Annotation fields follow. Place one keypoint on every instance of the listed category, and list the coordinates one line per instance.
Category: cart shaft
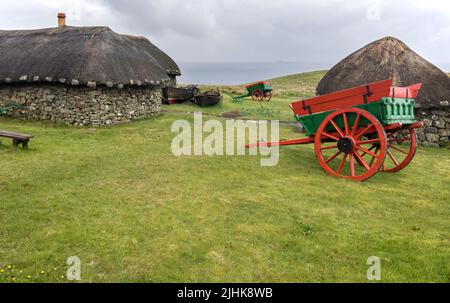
(301, 141)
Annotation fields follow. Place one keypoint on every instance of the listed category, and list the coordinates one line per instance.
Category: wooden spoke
(370, 149)
(356, 125)
(361, 160)
(400, 141)
(347, 127)
(369, 141)
(364, 131)
(367, 152)
(341, 166)
(330, 136)
(352, 165)
(398, 149)
(337, 128)
(333, 157)
(374, 158)
(329, 147)
(393, 158)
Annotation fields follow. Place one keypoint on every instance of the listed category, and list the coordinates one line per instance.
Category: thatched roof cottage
(390, 58)
(81, 75)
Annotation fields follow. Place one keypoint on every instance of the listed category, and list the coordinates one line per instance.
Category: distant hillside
(305, 83)
(295, 85)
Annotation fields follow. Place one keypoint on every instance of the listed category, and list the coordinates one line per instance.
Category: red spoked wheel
(258, 95)
(344, 137)
(267, 96)
(402, 146)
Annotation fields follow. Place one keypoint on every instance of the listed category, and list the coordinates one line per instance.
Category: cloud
(253, 30)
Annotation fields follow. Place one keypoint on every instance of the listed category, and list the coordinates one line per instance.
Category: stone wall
(437, 126)
(80, 105)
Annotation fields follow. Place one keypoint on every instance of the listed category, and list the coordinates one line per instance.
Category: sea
(234, 73)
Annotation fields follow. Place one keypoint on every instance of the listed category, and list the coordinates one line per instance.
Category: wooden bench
(17, 138)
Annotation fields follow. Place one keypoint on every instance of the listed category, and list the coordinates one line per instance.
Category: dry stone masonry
(437, 125)
(80, 106)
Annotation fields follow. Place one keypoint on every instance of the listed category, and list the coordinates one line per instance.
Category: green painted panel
(264, 87)
(387, 111)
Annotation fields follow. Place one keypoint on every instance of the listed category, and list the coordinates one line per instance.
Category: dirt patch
(232, 114)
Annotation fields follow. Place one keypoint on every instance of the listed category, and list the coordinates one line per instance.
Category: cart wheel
(340, 148)
(267, 96)
(402, 146)
(258, 95)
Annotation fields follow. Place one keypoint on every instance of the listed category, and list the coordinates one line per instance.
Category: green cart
(260, 91)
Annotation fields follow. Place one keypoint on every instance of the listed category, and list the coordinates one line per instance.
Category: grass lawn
(117, 198)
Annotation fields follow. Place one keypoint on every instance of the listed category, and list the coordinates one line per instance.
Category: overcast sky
(252, 30)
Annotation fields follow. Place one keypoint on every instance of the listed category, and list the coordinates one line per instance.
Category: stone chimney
(61, 20)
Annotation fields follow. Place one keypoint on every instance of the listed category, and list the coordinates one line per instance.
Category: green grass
(117, 198)
(286, 90)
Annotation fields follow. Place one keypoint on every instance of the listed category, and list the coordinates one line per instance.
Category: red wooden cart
(360, 131)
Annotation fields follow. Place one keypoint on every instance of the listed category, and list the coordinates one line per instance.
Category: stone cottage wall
(80, 105)
(437, 126)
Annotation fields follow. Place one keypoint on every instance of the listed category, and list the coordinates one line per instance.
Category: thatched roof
(389, 58)
(82, 55)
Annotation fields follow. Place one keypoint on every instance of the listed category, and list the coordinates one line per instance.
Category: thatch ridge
(388, 58)
(82, 55)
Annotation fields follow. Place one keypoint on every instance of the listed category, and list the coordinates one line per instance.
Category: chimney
(61, 20)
